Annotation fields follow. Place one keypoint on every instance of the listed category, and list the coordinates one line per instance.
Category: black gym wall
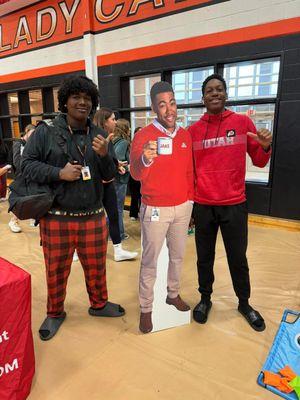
(281, 196)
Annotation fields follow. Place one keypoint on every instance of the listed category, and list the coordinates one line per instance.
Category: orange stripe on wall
(46, 71)
(278, 28)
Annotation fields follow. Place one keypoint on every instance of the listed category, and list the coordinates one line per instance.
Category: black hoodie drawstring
(217, 137)
(203, 141)
(218, 132)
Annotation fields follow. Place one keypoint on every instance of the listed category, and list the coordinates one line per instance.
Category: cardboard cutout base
(165, 316)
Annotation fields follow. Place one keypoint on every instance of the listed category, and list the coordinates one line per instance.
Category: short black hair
(213, 76)
(160, 87)
(75, 85)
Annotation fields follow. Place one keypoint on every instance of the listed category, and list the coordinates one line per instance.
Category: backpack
(28, 199)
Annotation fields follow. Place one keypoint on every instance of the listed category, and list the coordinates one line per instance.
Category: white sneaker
(31, 222)
(14, 226)
(121, 255)
(75, 256)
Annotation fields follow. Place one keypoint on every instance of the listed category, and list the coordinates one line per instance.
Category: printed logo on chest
(230, 133)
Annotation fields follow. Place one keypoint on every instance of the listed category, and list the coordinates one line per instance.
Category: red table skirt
(16, 344)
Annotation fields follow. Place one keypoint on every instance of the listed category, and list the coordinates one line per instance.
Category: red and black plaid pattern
(60, 237)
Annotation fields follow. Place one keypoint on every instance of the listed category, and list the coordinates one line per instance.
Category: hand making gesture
(100, 144)
(263, 137)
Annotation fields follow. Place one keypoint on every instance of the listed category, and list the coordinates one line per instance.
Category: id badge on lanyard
(85, 170)
(86, 173)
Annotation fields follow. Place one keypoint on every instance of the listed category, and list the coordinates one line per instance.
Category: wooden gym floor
(94, 358)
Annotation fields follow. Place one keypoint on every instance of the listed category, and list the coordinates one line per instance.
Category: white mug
(164, 145)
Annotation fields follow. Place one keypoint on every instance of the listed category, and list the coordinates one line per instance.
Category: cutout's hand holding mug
(150, 151)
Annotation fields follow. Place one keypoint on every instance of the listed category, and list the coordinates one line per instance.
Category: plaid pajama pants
(60, 236)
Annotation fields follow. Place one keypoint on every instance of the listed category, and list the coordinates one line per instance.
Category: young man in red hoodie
(221, 139)
(167, 188)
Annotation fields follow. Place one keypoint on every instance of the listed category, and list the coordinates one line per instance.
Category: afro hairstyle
(75, 85)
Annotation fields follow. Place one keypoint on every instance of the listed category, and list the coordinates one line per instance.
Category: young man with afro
(71, 156)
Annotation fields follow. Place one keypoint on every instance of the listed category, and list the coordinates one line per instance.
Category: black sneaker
(201, 311)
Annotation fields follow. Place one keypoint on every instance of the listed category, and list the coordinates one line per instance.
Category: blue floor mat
(285, 351)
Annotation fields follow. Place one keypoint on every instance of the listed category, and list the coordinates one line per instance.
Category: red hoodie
(220, 144)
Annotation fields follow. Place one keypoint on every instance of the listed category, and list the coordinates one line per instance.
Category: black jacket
(46, 153)
(17, 149)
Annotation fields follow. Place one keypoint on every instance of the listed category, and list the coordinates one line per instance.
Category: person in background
(121, 142)
(167, 186)
(76, 219)
(105, 119)
(4, 160)
(18, 147)
(221, 139)
(135, 192)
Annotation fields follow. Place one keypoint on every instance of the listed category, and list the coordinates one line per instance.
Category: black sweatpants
(233, 222)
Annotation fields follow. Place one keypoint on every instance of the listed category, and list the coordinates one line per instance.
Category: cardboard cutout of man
(167, 194)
